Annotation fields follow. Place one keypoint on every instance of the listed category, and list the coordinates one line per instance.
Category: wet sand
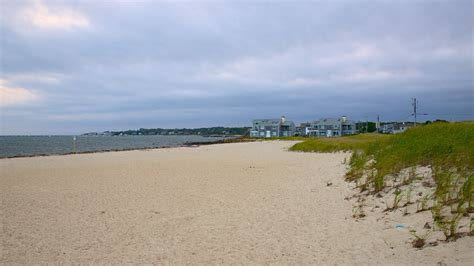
(227, 203)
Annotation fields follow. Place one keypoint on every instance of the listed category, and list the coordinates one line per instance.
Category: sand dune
(229, 203)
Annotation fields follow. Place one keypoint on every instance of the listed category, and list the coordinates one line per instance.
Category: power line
(451, 114)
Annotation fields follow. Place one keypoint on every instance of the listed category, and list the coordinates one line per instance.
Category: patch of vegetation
(446, 147)
(420, 239)
(366, 127)
(350, 143)
(422, 204)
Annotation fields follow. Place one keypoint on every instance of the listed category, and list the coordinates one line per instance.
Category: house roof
(332, 121)
(272, 122)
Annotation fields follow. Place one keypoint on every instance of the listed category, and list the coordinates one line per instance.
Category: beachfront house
(267, 128)
(331, 127)
(302, 129)
(394, 128)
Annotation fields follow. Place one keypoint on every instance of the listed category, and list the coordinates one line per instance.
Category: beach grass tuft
(420, 239)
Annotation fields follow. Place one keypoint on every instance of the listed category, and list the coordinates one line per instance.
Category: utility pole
(378, 123)
(414, 102)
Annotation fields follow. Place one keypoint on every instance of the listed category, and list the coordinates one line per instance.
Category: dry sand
(229, 203)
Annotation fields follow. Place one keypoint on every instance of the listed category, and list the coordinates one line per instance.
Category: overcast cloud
(73, 67)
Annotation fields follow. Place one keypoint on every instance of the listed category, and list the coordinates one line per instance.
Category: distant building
(302, 129)
(267, 128)
(331, 127)
(394, 128)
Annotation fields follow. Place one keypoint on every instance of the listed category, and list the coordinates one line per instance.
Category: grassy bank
(447, 148)
(349, 143)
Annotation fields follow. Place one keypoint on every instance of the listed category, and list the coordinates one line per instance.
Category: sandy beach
(230, 203)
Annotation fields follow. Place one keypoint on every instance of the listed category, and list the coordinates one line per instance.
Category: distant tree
(186, 131)
(362, 127)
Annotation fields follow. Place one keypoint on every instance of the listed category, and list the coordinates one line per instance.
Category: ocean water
(12, 146)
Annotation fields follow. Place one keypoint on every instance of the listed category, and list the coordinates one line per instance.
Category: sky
(69, 67)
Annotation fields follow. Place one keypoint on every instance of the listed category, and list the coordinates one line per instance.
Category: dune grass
(348, 143)
(444, 145)
(441, 145)
(448, 148)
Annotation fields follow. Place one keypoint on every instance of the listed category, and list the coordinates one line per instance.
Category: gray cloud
(70, 68)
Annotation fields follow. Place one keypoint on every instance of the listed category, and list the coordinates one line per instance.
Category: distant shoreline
(187, 144)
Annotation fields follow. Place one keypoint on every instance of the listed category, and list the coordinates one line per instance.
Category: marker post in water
(74, 144)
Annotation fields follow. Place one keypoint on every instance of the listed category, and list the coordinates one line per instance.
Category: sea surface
(17, 146)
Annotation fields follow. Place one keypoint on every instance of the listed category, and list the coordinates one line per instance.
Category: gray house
(267, 128)
(331, 127)
(394, 128)
(302, 129)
